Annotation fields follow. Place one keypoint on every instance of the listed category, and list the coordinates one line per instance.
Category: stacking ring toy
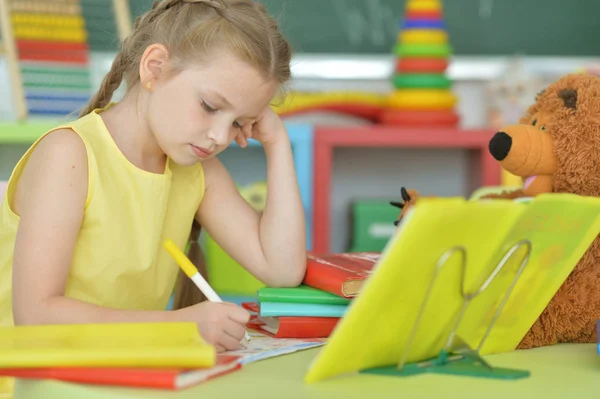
(429, 99)
(423, 23)
(437, 15)
(423, 50)
(421, 80)
(425, 36)
(424, 5)
(421, 65)
(437, 118)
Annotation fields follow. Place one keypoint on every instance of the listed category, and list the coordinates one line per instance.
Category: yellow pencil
(192, 272)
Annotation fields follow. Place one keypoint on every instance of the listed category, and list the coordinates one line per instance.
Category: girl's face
(198, 112)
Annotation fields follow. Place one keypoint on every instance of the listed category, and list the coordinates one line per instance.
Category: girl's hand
(222, 325)
(268, 130)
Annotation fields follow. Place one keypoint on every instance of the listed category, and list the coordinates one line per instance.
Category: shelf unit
(483, 170)
(24, 133)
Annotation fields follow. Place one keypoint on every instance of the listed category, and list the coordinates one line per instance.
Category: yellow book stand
(460, 279)
(457, 357)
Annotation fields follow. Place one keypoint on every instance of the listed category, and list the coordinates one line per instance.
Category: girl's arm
(271, 246)
(50, 199)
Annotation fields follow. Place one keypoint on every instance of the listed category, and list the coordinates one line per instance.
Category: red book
(291, 327)
(169, 379)
(340, 274)
(296, 327)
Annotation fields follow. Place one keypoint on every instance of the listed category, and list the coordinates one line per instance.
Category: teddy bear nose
(500, 145)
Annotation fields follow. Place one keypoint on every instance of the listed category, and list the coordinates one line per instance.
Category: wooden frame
(122, 18)
(12, 60)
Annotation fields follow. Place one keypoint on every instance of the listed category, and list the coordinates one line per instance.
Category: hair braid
(110, 84)
(186, 293)
(114, 77)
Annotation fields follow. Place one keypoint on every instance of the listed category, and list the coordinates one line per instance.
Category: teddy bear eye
(543, 127)
(534, 122)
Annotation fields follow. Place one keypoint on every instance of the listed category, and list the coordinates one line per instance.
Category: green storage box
(372, 223)
(226, 276)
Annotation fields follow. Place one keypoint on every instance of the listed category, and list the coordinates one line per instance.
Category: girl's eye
(237, 125)
(208, 108)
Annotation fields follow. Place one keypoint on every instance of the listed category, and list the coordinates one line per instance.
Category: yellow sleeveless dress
(119, 260)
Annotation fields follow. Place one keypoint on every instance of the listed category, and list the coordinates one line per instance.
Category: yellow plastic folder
(177, 345)
(401, 317)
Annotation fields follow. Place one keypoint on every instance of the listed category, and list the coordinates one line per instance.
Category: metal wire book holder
(457, 357)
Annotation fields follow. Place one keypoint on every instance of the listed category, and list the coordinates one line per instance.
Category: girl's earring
(149, 85)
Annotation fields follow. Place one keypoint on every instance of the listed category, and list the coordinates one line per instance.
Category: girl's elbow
(25, 318)
(29, 312)
(296, 280)
(285, 282)
(290, 276)
(293, 277)
(298, 276)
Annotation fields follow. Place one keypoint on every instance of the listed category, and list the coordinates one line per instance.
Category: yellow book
(445, 252)
(176, 345)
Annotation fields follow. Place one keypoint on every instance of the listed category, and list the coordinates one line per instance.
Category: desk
(556, 372)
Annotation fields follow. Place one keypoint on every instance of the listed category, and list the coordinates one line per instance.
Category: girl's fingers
(229, 342)
(235, 330)
(241, 140)
(220, 348)
(247, 129)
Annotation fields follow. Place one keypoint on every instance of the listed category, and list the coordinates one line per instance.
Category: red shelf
(485, 171)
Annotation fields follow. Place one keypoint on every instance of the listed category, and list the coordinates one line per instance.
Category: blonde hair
(190, 30)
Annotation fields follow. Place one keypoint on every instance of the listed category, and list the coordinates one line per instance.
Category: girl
(90, 204)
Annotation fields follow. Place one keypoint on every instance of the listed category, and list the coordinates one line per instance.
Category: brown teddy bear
(556, 148)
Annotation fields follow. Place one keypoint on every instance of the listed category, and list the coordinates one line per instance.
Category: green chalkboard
(476, 27)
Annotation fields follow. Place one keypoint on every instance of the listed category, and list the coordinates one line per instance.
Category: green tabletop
(561, 371)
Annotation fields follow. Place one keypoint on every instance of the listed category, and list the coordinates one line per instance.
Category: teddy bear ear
(569, 97)
(541, 93)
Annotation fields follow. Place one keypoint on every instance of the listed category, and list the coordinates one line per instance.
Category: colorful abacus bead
(51, 41)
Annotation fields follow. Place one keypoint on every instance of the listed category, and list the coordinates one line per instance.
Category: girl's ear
(153, 63)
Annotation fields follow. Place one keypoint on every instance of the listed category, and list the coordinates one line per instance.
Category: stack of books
(313, 309)
(166, 356)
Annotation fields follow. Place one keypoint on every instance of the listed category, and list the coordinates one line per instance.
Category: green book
(300, 294)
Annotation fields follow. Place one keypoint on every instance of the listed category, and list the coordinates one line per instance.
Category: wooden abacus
(47, 51)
